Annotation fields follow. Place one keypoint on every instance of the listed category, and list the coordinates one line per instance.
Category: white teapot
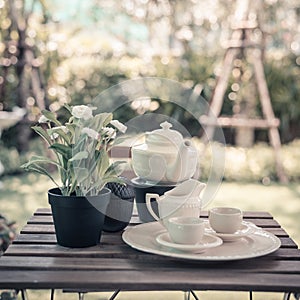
(165, 156)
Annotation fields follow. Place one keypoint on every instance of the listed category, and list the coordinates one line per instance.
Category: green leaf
(65, 162)
(103, 162)
(80, 145)
(68, 108)
(99, 121)
(80, 155)
(64, 150)
(66, 137)
(116, 168)
(120, 139)
(63, 175)
(51, 116)
(36, 159)
(108, 118)
(71, 128)
(81, 174)
(38, 169)
(43, 133)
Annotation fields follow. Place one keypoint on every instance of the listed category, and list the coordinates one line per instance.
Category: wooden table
(35, 261)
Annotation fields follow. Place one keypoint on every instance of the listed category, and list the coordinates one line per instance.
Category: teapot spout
(185, 164)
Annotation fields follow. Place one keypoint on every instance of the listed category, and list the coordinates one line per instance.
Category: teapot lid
(164, 135)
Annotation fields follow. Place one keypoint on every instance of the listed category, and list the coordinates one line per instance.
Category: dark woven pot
(120, 207)
(78, 220)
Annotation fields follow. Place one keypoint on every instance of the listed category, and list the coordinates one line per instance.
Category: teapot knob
(166, 125)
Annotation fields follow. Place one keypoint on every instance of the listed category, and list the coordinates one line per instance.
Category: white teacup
(186, 230)
(225, 219)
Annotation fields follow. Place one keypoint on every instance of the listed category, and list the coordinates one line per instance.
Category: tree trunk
(29, 84)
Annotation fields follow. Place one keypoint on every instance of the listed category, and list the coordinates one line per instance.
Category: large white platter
(143, 237)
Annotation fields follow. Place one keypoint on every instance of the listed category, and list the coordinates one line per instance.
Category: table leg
(52, 294)
(287, 296)
(114, 295)
(80, 296)
(250, 295)
(187, 295)
(24, 295)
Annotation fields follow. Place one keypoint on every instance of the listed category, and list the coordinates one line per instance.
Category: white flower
(82, 112)
(109, 132)
(91, 133)
(43, 119)
(53, 135)
(120, 126)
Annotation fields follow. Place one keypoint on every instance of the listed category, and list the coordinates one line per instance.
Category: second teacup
(225, 219)
(185, 230)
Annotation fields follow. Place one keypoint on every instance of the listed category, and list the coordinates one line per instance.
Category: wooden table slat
(151, 280)
(43, 218)
(35, 238)
(104, 249)
(288, 243)
(49, 228)
(73, 263)
(247, 214)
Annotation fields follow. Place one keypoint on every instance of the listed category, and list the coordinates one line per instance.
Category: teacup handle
(149, 206)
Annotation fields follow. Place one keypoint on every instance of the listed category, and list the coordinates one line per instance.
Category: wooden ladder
(240, 40)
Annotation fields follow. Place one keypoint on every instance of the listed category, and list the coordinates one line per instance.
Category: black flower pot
(120, 207)
(78, 220)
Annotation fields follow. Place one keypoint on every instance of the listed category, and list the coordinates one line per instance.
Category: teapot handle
(149, 206)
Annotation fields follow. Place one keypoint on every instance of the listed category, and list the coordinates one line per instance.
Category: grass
(21, 195)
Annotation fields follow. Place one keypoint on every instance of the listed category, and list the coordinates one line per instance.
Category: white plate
(143, 237)
(247, 228)
(208, 241)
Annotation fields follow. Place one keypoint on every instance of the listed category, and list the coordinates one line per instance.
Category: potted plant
(80, 149)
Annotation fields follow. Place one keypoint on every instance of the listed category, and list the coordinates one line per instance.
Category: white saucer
(246, 229)
(208, 241)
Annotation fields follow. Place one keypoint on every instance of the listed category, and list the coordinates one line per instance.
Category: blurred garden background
(57, 52)
(68, 51)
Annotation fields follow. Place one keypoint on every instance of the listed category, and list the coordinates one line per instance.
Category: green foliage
(76, 63)
(283, 77)
(253, 164)
(291, 159)
(10, 159)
